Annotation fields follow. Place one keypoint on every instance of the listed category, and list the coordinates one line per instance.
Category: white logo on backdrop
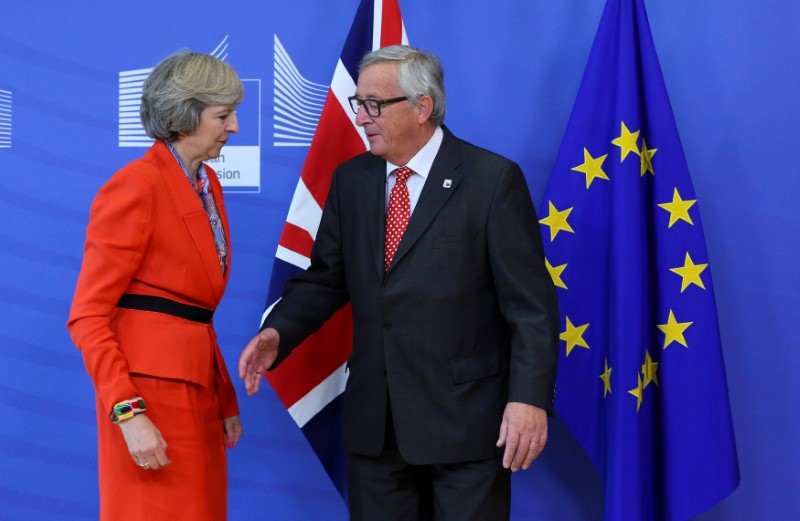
(298, 102)
(238, 167)
(131, 132)
(5, 118)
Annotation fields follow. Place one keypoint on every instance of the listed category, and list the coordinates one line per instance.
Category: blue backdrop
(512, 72)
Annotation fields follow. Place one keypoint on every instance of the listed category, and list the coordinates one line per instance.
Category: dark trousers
(386, 488)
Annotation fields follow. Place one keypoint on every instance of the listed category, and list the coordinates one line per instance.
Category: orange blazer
(148, 234)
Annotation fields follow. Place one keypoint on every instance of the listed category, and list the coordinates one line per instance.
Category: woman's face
(206, 142)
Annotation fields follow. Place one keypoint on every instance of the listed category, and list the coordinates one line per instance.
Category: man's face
(394, 134)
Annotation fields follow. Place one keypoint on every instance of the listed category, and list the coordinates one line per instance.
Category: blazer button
(387, 326)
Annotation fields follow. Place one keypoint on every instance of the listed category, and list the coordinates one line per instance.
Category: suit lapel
(195, 218)
(375, 198)
(442, 182)
(216, 189)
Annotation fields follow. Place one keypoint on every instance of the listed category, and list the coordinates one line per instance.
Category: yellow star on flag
(690, 273)
(557, 221)
(637, 391)
(673, 330)
(647, 158)
(626, 142)
(606, 377)
(592, 167)
(573, 336)
(555, 273)
(678, 209)
(649, 370)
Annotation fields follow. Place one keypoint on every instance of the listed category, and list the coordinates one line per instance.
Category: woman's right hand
(145, 443)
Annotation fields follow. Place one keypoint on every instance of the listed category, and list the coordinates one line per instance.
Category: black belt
(165, 305)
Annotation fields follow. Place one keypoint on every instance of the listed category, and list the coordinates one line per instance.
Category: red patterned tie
(397, 215)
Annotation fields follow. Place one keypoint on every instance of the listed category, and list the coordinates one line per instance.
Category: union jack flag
(310, 383)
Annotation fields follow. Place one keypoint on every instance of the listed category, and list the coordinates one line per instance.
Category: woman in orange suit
(155, 266)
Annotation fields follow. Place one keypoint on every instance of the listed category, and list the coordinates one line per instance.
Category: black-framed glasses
(372, 106)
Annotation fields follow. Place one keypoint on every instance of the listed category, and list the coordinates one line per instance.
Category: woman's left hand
(233, 431)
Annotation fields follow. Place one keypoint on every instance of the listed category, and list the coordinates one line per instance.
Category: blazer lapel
(216, 189)
(195, 218)
(442, 182)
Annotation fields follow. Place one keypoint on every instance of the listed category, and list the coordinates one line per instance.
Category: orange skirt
(194, 486)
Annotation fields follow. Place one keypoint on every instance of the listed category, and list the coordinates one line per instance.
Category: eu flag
(641, 380)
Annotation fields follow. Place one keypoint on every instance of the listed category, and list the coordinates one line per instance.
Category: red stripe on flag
(296, 239)
(391, 24)
(335, 141)
(315, 359)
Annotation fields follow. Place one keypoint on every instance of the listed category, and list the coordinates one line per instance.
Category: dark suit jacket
(465, 320)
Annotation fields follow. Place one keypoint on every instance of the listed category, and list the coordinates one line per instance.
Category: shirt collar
(422, 162)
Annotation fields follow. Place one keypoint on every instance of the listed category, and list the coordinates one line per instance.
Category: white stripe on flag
(343, 87)
(293, 258)
(267, 312)
(377, 19)
(304, 212)
(320, 396)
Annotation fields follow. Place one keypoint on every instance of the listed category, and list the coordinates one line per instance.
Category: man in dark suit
(455, 329)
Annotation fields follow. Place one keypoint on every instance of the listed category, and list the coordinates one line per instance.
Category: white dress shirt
(421, 164)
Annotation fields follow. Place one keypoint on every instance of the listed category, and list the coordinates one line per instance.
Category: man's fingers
(521, 455)
(534, 449)
(252, 382)
(501, 440)
(246, 359)
(509, 455)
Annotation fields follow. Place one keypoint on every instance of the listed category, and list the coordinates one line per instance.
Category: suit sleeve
(313, 296)
(525, 291)
(120, 224)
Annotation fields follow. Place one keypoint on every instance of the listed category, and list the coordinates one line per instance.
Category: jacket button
(387, 326)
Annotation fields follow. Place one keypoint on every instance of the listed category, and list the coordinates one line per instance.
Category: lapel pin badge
(447, 183)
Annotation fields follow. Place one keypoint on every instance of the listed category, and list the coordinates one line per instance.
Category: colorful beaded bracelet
(127, 409)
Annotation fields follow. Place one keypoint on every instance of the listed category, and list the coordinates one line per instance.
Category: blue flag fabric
(641, 380)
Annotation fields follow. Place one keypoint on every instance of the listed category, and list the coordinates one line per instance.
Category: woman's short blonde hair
(180, 87)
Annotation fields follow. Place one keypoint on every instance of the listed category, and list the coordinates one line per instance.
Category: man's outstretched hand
(258, 355)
